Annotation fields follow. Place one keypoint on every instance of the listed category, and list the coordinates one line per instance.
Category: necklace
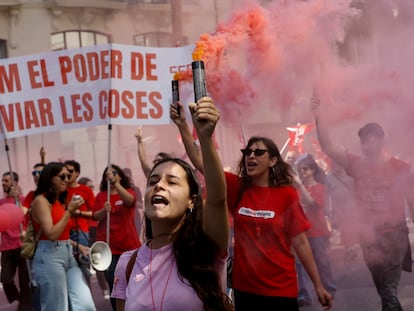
(257, 212)
(165, 286)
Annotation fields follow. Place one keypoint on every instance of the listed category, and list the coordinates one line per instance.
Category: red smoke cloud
(266, 61)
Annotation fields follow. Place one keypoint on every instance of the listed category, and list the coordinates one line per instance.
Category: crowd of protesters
(283, 212)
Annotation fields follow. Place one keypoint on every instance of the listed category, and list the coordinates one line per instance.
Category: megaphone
(100, 256)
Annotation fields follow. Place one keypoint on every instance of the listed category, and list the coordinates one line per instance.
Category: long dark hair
(45, 185)
(279, 174)
(125, 181)
(194, 252)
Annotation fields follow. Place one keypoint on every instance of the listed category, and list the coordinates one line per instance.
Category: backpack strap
(130, 265)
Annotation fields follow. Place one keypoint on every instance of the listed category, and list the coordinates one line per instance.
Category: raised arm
(42, 154)
(215, 220)
(192, 149)
(141, 153)
(322, 130)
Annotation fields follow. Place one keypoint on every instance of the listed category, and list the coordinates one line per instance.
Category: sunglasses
(257, 152)
(36, 173)
(64, 176)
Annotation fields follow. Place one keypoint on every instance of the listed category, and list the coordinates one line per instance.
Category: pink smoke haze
(358, 59)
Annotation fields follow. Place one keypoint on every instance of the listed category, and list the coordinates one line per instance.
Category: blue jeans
(59, 279)
(82, 237)
(306, 291)
(384, 258)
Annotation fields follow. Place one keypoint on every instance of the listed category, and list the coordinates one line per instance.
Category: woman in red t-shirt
(311, 187)
(123, 235)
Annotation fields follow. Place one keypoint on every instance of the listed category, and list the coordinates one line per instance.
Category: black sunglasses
(64, 176)
(36, 173)
(257, 152)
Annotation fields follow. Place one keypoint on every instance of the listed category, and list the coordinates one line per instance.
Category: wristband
(71, 213)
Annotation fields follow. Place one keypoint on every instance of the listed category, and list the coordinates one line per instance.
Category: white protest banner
(88, 87)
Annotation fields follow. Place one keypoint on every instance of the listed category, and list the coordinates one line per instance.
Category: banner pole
(108, 214)
(17, 201)
(6, 147)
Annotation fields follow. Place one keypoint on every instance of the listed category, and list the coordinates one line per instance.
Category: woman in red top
(311, 187)
(55, 270)
(123, 235)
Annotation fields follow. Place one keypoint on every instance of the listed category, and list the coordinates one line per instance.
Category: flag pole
(284, 146)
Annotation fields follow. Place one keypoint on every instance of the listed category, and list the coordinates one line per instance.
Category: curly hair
(279, 174)
(194, 252)
(125, 181)
(45, 185)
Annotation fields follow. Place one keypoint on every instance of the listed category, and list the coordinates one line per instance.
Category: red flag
(297, 134)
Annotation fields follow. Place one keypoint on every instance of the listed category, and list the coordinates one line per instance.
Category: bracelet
(71, 213)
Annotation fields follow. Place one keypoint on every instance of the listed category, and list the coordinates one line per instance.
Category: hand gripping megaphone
(100, 256)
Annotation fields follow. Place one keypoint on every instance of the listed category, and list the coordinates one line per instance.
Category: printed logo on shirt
(119, 203)
(257, 214)
(138, 277)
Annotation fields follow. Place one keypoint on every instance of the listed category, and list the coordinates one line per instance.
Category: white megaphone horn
(100, 256)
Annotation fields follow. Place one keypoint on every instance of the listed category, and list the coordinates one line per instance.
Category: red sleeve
(296, 218)
(90, 199)
(99, 201)
(134, 194)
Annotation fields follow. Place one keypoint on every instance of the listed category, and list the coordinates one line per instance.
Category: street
(100, 302)
(356, 291)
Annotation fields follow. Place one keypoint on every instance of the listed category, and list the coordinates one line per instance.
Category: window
(3, 48)
(154, 39)
(75, 39)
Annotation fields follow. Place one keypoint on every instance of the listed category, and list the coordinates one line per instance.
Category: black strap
(130, 265)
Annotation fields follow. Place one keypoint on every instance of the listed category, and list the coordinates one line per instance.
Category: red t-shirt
(380, 191)
(57, 211)
(123, 234)
(87, 194)
(265, 221)
(316, 213)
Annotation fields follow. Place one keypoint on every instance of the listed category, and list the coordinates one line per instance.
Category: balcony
(98, 4)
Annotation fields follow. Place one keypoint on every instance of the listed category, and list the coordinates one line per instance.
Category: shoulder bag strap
(130, 265)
